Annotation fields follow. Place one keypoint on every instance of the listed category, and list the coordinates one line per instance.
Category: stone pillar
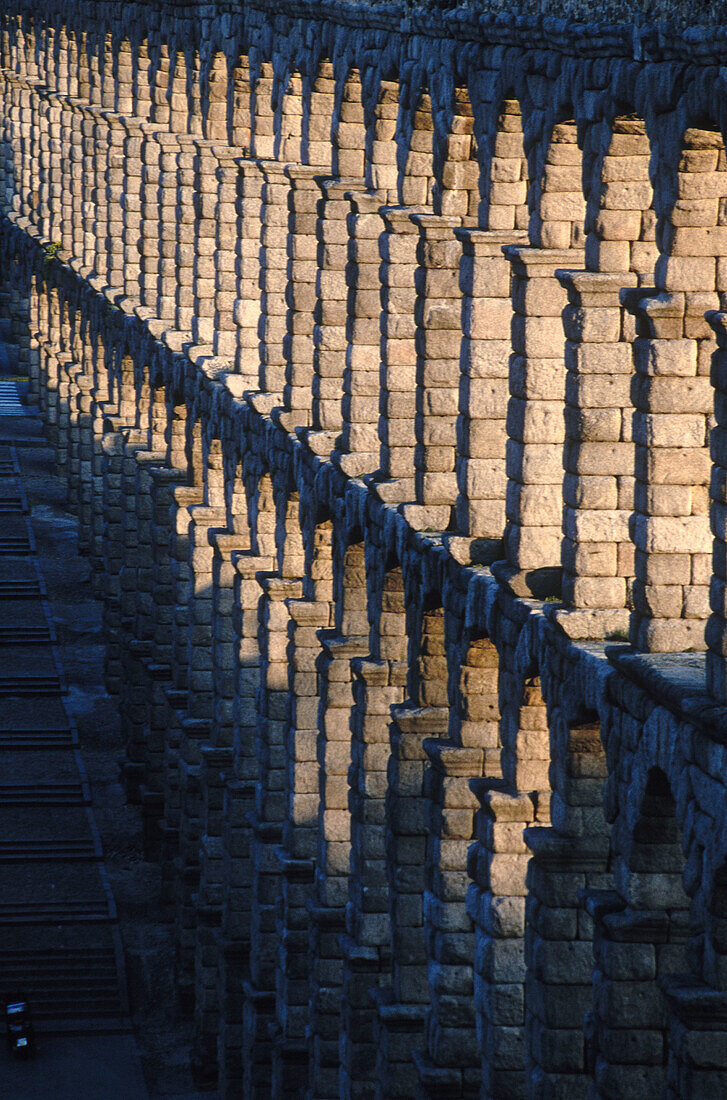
(114, 271)
(184, 498)
(247, 310)
(673, 409)
(269, 814)
(54, 178)
(101, 404)
(216, 770)
(48, 213)
(697, 1057)
(402, 1008)
(83, 452)
(151, 228)
(224, 339)
(599, 458)
(449, 1064)
(131, 204)
(498, 864)
(89, 203)
(359, 452)
(195, 733)
(301, 294)
(24, 162)
(299, 842)
(625, 1033)
(135, 608)
(378, 684)
(568, 858)
(112, 555)
(717, 626)
(485, 363)
(166, 240)
(185, 218)
(98, 159)
(327, 910)
(438, 315)
(329, 331)
(398, 251)
(158, 667)
(74, 147)
(202, 322)
(238, 813)
(273, 277)
(536, 431)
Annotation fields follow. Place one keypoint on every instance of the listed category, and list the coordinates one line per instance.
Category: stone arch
(288, 119)
(317, 119)
(214, 490)
(288, 536)
(506, 178)
(215, 94)
(238, 520)
(620, 217)
(194, 450)
(427, 686)
(261, 510)
(178, 79)
(456, 191)
(194, 92)
(380, 167)
(524, 735)
(350, 585)
(159, 85)
(349, 132)
(316, 531)
(240, 106)
(263, 132)
(415, 141)
(557, 203)
(473, 696)
(141, 79)
(655, 859)
(123, 77)
(177, 432)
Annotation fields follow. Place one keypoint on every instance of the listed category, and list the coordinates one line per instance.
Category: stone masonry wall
(385, 353)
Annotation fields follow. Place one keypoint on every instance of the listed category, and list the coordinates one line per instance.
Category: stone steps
(59, 949)
(69, 988)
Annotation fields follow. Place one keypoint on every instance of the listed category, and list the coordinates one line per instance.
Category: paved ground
(73, 1067)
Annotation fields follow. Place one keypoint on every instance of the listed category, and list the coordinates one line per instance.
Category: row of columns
(363, 323)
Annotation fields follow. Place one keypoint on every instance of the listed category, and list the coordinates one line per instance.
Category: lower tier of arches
(413, 839)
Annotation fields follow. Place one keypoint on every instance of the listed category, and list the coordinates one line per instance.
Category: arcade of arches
(385, 355)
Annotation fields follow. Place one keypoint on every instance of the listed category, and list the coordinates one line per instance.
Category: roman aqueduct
(383, 349)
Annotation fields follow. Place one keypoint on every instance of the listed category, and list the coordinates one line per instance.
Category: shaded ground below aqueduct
(98, 1066)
